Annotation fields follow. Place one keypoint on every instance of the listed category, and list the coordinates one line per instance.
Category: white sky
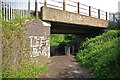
(106, 5)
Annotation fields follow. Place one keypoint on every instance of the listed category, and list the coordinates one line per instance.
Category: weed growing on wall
(15, 51)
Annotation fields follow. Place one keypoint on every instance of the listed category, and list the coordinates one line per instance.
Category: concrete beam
(64, 28)
(56, 15)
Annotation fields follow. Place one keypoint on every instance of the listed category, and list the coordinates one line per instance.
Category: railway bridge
(85, 22)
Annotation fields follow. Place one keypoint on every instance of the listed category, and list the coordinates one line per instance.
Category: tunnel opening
(62, 44)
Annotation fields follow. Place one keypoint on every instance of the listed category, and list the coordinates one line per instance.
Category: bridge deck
(62, 16)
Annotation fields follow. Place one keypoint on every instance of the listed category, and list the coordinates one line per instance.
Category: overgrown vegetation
(61, 40)
(114, 25)
(16, 52)
(102, 55)
(55, 39)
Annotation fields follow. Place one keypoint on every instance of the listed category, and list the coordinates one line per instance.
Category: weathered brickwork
(39, 38)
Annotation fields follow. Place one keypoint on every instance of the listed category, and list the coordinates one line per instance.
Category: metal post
(0, 40)
(99, 13)
(11, 9)
(67, 50)
(106, 16)
(45, 3)
(21, 9)
(23, 13)
(78, 7)
(89, 10)
(64, 5)
(16, 15)
(114, 17)
(26, 11)
(36, 8)
(1, 9)
(18, 8)
(28, 7)
(4, 10)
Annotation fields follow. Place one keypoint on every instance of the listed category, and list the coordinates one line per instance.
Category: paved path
(65, 67)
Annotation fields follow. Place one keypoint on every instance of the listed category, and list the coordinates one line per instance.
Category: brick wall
(39, 37)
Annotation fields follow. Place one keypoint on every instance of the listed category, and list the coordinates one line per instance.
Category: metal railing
(13, 8)
(114, 17)
(77, 7)
(10, 9)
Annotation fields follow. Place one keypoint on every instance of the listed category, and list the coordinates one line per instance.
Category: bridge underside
(65, 28)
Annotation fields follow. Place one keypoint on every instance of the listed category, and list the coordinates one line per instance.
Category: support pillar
(67, 50)
(39, 37)
(80, 38)
(79, 41)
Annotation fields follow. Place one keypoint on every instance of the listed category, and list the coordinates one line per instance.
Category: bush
(102, 55)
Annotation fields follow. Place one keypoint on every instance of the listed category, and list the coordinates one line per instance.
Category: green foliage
(47, 63)
(55, 39)
(19, 20)
(28, 70)
(30, 18)
(114, 25)
(61, 40)
(65, 43)
(69, 36)
(15, 51)
(102, 55)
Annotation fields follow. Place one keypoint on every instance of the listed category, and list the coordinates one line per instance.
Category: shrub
(102, 54)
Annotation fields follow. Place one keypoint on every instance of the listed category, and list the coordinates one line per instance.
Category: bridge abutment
(79, 41)
(38, 33)
(80, 38)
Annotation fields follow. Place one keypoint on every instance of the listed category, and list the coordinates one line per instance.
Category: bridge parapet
(76, 7)
(62, 16)
(12, 8)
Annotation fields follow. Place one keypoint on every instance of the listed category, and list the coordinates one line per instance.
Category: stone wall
(39, 37)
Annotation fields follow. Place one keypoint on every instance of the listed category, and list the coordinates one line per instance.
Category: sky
(106, 5)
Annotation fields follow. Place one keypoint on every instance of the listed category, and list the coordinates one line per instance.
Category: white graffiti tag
(38, 45)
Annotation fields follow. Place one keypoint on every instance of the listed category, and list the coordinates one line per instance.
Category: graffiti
(72, 17)
(39, 45)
